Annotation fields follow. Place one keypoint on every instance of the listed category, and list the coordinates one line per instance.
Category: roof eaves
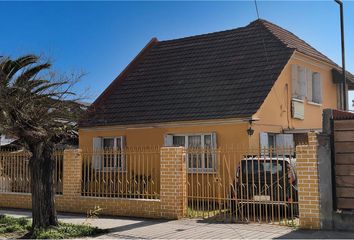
(169, 123)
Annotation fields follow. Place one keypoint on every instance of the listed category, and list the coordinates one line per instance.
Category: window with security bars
(201, 154)
(108, 153)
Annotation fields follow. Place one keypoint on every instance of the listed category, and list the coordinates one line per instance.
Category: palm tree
(35, 107)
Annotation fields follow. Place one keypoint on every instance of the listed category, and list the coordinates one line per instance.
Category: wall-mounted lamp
(250, 130)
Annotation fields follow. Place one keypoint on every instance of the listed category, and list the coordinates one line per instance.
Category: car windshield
(262, 166)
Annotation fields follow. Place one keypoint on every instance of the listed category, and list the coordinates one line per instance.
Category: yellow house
(258, 85)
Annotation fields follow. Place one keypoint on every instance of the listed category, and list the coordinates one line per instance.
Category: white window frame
(122, 158)
(201, 169)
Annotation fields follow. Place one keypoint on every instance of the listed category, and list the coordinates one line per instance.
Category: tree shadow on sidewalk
(318, 234)
(139, 223)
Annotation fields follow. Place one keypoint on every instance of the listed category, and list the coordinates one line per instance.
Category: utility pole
(344, 81)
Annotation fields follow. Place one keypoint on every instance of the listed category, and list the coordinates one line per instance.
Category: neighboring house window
(108, 153)
(201, 149)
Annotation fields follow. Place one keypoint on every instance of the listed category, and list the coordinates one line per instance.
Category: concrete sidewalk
(136, 228)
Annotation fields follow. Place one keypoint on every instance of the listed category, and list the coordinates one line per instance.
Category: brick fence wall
(170, 206)
(173, 190)
(308, 183)
(173, 183)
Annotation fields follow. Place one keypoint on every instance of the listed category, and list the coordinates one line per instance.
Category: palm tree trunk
(42, 168)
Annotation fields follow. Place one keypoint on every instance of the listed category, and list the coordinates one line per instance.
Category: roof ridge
(263, 22)
(259, 21)
(204, 34)
(268, 25)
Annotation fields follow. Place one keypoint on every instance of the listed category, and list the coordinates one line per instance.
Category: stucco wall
(227, 134)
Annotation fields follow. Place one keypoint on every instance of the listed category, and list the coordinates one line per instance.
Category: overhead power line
(255, 3)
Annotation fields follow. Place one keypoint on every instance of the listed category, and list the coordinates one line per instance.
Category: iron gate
(231, 185)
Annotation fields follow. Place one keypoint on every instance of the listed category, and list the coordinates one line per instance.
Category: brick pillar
(173, 190)
(72, 169)
(308, 183)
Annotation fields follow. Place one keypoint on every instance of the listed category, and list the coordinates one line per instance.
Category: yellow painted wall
(275, 112)
(227, 134)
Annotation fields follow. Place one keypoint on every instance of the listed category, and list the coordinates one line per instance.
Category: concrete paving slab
(139, 228)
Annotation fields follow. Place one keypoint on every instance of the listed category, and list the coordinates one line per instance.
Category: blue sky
(101, 38)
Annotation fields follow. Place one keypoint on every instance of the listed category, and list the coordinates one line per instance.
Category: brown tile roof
(292, 41)
(342, 115)
(218, 75)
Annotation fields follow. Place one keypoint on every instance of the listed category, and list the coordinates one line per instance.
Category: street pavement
(139, 228)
